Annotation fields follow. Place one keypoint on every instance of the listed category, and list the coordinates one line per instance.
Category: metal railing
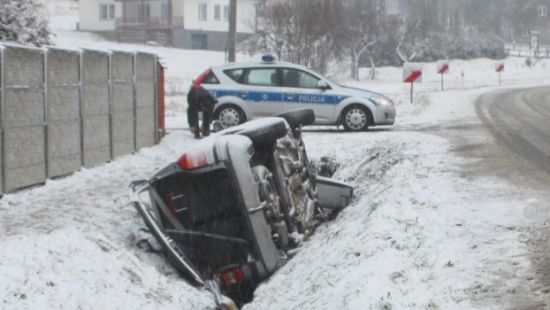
(524, 50)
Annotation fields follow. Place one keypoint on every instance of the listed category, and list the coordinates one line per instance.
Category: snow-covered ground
(423, 231)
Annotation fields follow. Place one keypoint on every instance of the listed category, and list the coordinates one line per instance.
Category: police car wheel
(356, 118)
(229, 115)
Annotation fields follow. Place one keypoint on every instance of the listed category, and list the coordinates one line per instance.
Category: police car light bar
(268, 59)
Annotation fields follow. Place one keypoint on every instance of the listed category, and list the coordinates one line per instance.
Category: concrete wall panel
(122, 103)
(23, 118)
(25, 162)
(97, 149)
(63, 112)
(145, 100)
(95, 108)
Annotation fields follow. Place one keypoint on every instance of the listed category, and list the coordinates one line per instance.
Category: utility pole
(231, 36)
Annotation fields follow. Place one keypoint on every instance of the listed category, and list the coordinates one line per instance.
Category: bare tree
(315, 32)
(483, 17)
(407, 52)
(303, 32)
(424, 15)
(364, 28)
(271, 26)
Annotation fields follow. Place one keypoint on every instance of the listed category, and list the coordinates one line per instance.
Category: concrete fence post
(45, 107)
(156, 99)
(110, 107)
(135, 85)
(2, 122)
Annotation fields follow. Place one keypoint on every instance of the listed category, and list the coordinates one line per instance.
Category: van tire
(265, 134)
(298, 117)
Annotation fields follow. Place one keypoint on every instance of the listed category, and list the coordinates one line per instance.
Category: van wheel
(265, 134)
(229, 115)
(272, 206)
(298, 117)
(300, 183)
(356, 118)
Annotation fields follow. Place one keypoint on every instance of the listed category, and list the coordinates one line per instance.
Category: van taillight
(233, 276)
(201, 78)
(195, 159)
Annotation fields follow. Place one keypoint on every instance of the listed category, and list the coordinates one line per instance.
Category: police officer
(200, 100)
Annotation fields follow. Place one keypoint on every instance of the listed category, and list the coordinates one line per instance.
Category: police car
(247, 91)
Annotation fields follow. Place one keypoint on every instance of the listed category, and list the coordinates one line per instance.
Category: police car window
(297, 78)
(261, 77)
(210, 79)
(234, 74)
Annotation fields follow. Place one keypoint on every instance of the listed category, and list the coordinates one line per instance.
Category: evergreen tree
(22, 21)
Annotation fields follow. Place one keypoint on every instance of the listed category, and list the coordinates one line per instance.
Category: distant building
(533, 23)
(190, 24)
(392, 8)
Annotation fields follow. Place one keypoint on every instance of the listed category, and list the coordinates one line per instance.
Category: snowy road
(520, 121)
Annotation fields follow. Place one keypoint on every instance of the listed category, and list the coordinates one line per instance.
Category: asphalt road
(519, 121)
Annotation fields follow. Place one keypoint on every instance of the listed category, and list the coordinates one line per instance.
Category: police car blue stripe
(263, 96)
(217, 93)
(303, 98)
(309, 98)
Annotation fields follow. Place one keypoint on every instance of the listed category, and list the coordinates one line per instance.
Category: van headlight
(383, 101)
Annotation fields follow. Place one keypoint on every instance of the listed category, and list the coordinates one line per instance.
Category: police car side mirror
(322, 84)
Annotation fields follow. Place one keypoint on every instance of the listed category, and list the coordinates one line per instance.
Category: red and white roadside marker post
(442, 68)
(499, 67)
(412, 73)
